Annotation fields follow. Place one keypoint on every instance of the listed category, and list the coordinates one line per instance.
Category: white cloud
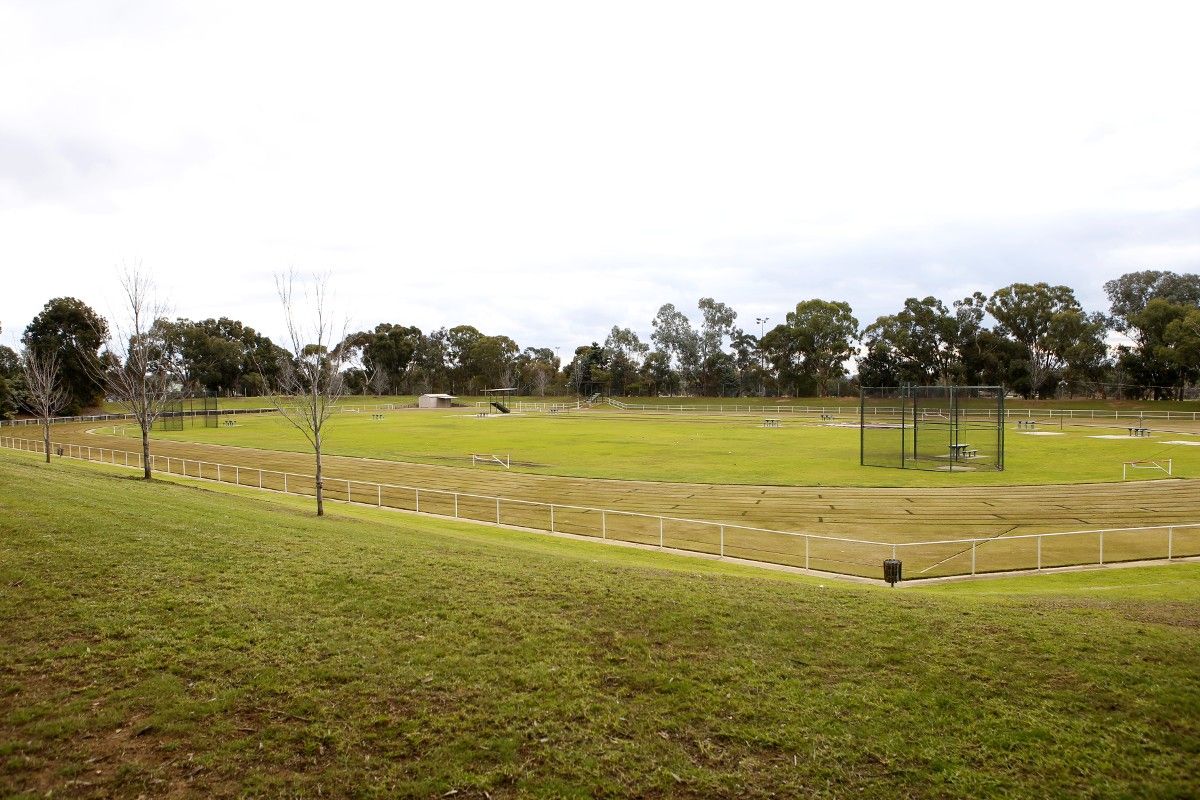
(548, 170)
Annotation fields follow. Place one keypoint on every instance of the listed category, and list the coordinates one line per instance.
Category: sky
(549, 170)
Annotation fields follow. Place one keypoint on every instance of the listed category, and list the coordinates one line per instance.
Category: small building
(435, 401)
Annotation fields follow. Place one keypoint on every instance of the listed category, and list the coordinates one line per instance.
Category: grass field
(658, 513)
(697, 448)
(165, 640)
(700, 402)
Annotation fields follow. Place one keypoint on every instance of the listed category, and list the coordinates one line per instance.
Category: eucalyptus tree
(680, 343)
(1042, 319)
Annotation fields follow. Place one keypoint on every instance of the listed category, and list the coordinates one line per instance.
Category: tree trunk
(147, 473)
(320, 480)
(46, 439)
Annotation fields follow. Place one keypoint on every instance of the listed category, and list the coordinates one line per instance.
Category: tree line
(1036, 339)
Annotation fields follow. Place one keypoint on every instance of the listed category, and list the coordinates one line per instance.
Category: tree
(1145, 305)
(537, 367)
(716, 328)
(1130, 293)
(44, 394)
(1153, 360)
(679, 342)
(625, 353)
(1183, 335)
(309, 377)
(1038, 317)
(588, 371)
(387, 351)
(219, 355)
(138, 368)
(815, 340)
(72, 330)
(10, 375)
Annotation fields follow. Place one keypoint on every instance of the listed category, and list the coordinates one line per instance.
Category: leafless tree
(309, 383)
(379, 382)
(137, 368)
(44, 394)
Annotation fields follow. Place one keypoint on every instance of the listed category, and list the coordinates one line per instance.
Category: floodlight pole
(762, 321)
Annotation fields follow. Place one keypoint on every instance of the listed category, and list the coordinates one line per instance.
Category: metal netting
(171, 417)
(211, 413)
(944, 428)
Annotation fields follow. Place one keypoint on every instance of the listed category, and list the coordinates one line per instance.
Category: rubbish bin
(891, 570)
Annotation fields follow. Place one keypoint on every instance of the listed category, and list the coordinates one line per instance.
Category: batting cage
(944, 428)
(171, 416)
(209, 412)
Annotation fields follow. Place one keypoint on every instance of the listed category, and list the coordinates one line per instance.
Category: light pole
(762, 321)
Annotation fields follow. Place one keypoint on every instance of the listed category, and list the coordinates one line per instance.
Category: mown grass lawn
(698, 449)
(162, 639)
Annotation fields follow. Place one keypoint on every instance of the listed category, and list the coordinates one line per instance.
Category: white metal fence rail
(923, 559)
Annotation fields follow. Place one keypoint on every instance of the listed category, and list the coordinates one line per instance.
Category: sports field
(720, 484)
(702, 448)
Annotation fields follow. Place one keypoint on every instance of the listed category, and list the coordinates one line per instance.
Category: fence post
(660, 531)
(260, 479)
(497, 510)
(1039, 552)
(1102, 548)
(603, 525)
(552, 517)
(1170, 541)
(379, 495)
(417, 495)
(893, 552)
(285, 491)
(348, 500)
(237, 475)
(722, 541)
(973, 542)
(456, 505)
(218, 473)
(807, 539)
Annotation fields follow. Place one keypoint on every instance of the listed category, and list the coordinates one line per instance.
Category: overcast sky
(548, 170)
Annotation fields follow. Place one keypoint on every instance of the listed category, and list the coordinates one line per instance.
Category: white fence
(861, 557)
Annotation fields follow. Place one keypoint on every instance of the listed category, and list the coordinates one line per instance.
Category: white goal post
(491, 458)
(1164, 466)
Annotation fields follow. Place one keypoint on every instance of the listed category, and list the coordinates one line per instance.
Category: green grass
(694, 449)
(158, 639)
(756, 402)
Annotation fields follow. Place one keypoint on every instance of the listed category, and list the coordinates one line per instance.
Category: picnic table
(1138, 430)
(1029, 424)
(771, 422)
(961, 451)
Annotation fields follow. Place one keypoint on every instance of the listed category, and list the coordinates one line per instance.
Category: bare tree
(45, 394)
(309, 383)
(137, 368)
(379, 382)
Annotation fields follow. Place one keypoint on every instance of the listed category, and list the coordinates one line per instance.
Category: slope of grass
(697, 449)
(159, 639)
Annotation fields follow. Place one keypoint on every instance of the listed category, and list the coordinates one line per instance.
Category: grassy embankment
(156, 638)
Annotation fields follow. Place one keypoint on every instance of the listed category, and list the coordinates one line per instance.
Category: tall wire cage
(940, 428)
